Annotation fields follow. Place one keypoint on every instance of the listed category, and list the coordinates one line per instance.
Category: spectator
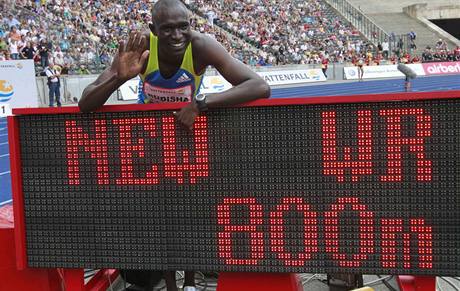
(412, 35)
(324, 65)
(441, 45)
(82, 70)
(385, 49)
(58, 57)
(14, 34)
(427, 55)
(3, 44)
(400, 46)
(53, 74)
(257, 28)
(14, 49)
(43, 51)
(28, 51)
(211, 15)
(12, 21)
(415, 60)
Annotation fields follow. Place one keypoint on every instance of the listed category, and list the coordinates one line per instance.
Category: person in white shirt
(58, 56)
(385, 48)
(54, 84)
(14, 49)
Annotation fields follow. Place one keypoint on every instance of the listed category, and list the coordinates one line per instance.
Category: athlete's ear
(152, 28)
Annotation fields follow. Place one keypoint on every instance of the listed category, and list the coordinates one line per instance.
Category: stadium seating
(257, 32)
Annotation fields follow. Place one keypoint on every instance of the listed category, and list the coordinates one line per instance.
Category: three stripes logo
(183, 78)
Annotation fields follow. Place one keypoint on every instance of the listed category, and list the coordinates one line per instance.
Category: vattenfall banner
(17, 85)
(215, 84)
(292, 77)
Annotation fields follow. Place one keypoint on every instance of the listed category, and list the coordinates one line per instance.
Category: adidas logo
(183, 78)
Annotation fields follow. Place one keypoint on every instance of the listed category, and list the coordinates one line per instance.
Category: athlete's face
(172, 27)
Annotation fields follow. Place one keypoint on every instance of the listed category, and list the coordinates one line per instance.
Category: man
(163, 59)
(324, 64)
(28, 51)
(427, 56)
(43, 50)
(58, 57)
(53, 84)
(385, 48)
(12, 21)
(14, 49)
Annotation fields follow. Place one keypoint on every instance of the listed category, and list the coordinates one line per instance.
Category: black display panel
(368, 188)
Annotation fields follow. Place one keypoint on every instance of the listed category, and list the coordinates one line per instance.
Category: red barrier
(416, 283)
(36, 279)
(21, 280)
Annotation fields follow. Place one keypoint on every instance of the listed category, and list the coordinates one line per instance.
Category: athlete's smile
(178, 45)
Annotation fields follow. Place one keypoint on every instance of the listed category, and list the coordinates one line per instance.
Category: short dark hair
(162, 4)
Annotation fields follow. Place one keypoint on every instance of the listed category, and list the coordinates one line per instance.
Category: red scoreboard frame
(265, 233)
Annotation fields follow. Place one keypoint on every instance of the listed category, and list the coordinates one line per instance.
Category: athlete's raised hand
(132, 56)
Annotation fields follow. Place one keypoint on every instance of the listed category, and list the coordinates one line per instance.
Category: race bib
(155, 94)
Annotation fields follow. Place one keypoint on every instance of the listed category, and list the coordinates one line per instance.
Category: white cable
(438, 287)
(377, 280)
(110, 281)
(311, 278)
(450, 283)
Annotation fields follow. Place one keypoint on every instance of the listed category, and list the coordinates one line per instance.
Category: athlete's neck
(168, 64)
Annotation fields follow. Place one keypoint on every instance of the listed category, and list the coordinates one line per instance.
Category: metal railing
(368, 28)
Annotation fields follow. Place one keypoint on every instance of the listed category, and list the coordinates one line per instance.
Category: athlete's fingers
(145, 56)
(181, 119)
(130, 41)
(121, 46)
(136, 38)
(188, 122)
(141, 43)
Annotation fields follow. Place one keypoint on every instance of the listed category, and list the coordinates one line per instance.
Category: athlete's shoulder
(201, 41)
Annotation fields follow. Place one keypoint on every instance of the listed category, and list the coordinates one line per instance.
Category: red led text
(176, 165)
(358, 162)
(392, 236)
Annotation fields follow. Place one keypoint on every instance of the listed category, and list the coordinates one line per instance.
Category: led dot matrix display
(368, 188)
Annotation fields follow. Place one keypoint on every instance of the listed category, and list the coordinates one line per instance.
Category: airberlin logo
(442, 68)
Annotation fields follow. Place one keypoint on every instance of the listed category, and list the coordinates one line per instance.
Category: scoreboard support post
(229, 281)
(416, 283)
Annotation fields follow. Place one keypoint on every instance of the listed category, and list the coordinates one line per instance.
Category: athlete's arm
(128, 63)
(247, 85)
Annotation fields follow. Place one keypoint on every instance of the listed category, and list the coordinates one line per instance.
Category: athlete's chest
(180, 87)
(168, 70)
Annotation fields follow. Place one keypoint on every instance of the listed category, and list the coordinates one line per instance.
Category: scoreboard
(355, 185)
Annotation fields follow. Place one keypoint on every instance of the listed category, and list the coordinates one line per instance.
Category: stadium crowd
(81, 37)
